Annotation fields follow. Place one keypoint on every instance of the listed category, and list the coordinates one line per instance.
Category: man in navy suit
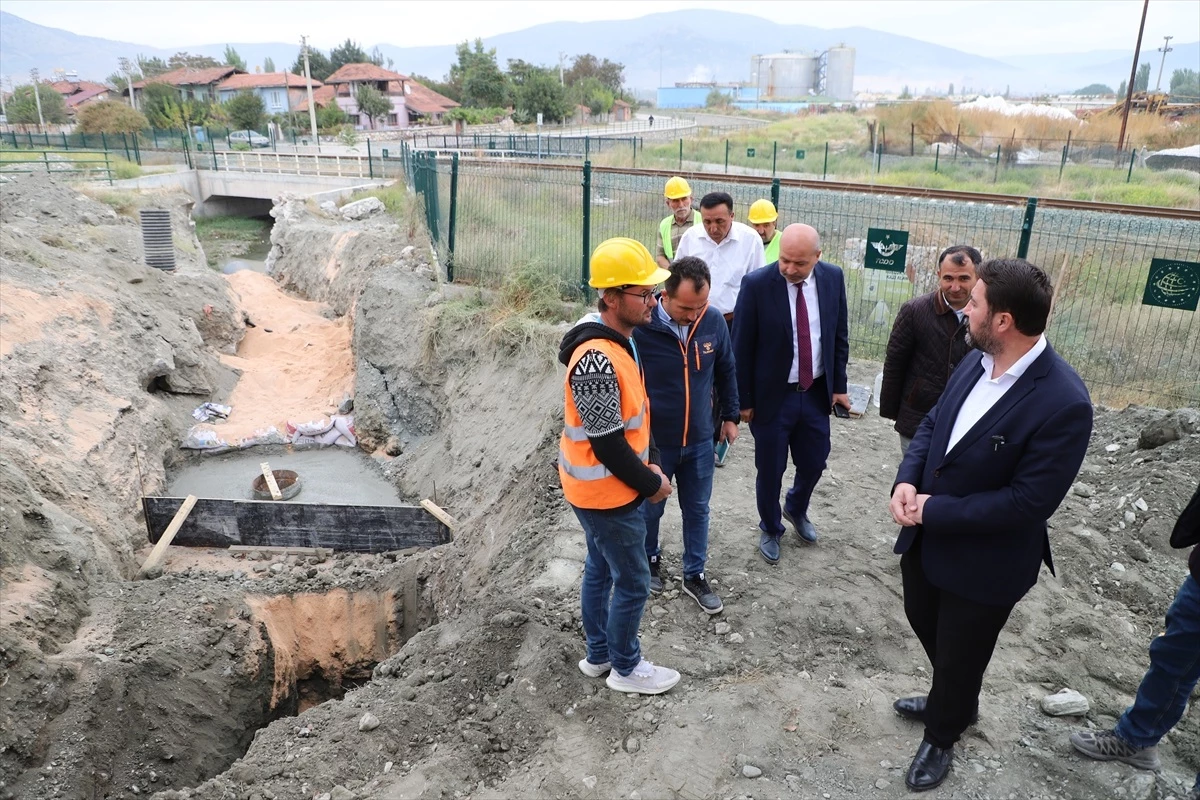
(791, 343)
(988, 466)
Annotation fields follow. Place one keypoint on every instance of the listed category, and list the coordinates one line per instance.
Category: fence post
(66, 145)
(1062, 165)
(585, 270)
(1132, 158)
(1067, 149)
(957, 133)
(370, 162)
(775, 192)
(108, 168)
(453, 217)
(996, 178)
(125, 141)
(213, 151)
(681, 154)
(1027, 227)
(912, 138)
(825, 169)
(937, 152)
(726, 156)
(774, 153)
(103, 141)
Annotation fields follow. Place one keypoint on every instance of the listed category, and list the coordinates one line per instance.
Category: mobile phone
(721, 450)
(840, 410)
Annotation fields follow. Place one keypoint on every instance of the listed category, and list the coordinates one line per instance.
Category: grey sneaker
(645, 679)
(698, 589)
(1105, 746)
(656, 584)
(594, 670)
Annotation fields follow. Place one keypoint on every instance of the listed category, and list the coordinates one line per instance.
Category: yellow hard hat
(676, 188)
(624, 262)
(762, 211)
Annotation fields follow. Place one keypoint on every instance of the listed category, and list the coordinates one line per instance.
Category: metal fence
(88, 165)
(489, 219)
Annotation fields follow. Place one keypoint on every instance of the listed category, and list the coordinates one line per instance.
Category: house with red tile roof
(412, 102)
(79, 93)
(192, 84)
(280, 92)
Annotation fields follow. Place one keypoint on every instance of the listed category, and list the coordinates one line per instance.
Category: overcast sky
(988, 27)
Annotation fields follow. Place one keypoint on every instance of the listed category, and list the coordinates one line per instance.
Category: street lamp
(37, 98)
(312, 109)
(1166, 48)
(127, 68)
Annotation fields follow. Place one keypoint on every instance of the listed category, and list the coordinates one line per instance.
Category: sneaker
(1105, 746)
(645, 679)
(656, 584)
(698, 589)
(594, 670)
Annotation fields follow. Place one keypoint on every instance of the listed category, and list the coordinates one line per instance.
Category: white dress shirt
(987, 391)
(809, 286)
(738, 254)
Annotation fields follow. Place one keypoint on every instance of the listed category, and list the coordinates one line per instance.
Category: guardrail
(98, 167)
(333, 165)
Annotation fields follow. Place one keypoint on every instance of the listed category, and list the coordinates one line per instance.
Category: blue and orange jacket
(679, 377)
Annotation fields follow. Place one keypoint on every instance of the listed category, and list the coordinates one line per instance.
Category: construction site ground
(451, 672)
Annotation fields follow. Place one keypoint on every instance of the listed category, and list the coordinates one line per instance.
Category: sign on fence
(799, 155)
(749, 152)
(1172, 284)
(886, 249)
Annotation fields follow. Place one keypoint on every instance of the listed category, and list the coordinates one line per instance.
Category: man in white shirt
(731, 249)
(988, 466)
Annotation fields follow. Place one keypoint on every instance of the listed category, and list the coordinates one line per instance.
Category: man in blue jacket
(684, 349)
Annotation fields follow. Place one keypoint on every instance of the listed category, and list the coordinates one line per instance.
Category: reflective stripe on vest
(664, 233)
(586, 482)
(772, 250)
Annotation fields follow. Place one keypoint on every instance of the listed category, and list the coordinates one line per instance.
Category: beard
(983, 339)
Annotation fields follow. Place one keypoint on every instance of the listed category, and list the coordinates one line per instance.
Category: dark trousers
(959, 636)
(801, 428)
(716, 397)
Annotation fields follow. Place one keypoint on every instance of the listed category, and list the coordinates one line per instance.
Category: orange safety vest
(586, 482)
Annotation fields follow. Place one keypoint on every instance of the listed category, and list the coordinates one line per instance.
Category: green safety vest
(664, 233)
(772, 250)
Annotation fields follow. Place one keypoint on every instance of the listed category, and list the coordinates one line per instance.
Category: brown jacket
(926, 344)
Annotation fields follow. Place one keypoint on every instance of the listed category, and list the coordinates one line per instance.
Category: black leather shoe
(929, 767)
(768, 548)
(914, 708)
(804, 529)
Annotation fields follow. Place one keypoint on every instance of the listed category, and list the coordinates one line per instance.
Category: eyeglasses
(646, 295)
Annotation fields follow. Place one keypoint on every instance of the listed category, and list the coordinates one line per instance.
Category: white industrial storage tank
(839, 73)
(785, 76)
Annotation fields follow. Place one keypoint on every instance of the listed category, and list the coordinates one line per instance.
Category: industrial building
(788, 81)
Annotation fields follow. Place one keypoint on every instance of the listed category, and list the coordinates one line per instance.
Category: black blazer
(762, 336)
(984, 527)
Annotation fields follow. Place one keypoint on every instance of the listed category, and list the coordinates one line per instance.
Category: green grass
(394, 198)
(231, 228)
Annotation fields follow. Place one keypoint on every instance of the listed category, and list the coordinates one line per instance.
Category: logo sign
(886, 250)
(385, 155)
(749, 152)
(799, 155)
(1172, 284)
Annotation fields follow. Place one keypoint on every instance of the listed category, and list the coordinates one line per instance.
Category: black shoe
(768, 547)
(698, 589)
(656, 584)
(914, 708)
(929, 767)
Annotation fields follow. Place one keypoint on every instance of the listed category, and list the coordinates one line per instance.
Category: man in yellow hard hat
(673, 227)
(764, 218)
(608, 464)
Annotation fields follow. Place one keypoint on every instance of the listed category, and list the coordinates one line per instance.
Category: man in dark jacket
(927, 342)
(1173, 674)
(683, 350)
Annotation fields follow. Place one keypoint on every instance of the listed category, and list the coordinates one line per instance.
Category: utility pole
(37, 98)
(1137, 52)
(3, 86)
(561, 57)
(1166, 48)
(312, 109)
(127, 68)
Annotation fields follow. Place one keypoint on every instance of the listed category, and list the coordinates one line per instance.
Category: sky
(987, 27)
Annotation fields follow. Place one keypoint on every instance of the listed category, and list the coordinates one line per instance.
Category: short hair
(714, 199)
(959, 254)
(1018, 287)
(689, 268)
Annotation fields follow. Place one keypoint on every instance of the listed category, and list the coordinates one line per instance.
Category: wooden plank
(254, 523)
(447, 520)
(269, 477)
(164, 541)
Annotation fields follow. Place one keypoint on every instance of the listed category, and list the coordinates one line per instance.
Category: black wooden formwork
(255, 523)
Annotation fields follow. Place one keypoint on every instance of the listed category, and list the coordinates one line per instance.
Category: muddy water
(328, 475)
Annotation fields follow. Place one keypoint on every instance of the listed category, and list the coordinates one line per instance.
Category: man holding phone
(791, 343)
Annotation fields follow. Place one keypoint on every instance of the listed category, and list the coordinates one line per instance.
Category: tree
(154, 102)
(319, 66)
(592, 93)
(1185, 85)
(187, 60)
(268, 64)
(482, 83)
(111, 116)
(379, 59)
(233, 59)
(246, 111)
(610, 74)
(1006, 92)
(330, 117)
(444, 88)
(371, 102)
(536, 90)
(905, 94)
(1142, 82)
(716, 99)
(118, 82)
(348, 52)
(1121, 91)
(22, 107)
(151, 67)
(1095, 88)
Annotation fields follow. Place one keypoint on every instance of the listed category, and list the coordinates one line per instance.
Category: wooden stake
(269, 477)
(437, 511)
(160, 548)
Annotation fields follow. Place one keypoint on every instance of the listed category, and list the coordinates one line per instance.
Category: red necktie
(803, 340)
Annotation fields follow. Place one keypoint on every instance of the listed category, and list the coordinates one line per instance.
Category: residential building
(280, 92)
(77, 93)
(192, 84)
(411, 101)
(621, 111)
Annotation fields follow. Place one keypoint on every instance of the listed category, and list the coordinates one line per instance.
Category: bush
(240, 146)
(122, 169)
(111, 116)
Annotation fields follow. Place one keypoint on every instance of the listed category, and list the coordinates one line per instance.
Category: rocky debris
(1170, 428)
(361, 209)
(751, 771)
(330, 208)
(1065, 702)
(369, 722)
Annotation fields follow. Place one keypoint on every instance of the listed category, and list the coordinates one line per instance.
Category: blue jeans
(616, 583)
(1174, 671)
(692, 468)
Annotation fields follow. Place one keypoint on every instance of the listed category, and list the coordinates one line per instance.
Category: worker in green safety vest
(763, 218)
(672, 228)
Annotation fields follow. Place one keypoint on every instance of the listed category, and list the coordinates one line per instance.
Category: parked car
(252, 138)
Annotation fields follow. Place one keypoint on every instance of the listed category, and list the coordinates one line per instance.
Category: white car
(252, 138)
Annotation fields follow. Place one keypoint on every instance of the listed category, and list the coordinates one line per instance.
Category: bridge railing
(331, 165)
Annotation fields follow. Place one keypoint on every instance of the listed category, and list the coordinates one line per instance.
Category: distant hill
(698, 44)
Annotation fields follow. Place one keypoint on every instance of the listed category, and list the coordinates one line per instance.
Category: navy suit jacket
(762, 336)
(983, 532)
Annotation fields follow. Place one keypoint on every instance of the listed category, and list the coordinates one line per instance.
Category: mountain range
(657, 49)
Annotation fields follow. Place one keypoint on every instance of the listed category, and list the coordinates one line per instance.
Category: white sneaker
(594, 670)
(645, 679)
